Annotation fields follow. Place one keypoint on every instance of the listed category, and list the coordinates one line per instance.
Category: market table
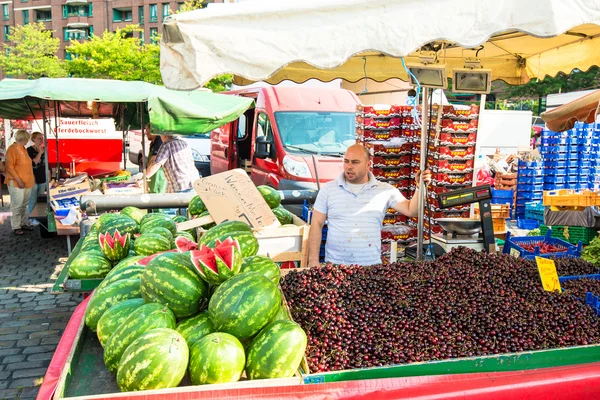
(68, 231)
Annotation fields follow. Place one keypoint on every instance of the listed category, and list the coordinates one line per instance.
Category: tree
(576, 80)
(31, 53)
(116, 55)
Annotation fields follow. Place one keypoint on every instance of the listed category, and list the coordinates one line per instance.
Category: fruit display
(216, 265)
(115, 247)
(570, 266)
(134, 213)
(153, 220)
(464, 304)
(115, 316)
(580, 287)
(89, 264)
(217, 358)
(195, 328)
(151, 243)
(108, 296)
(264, 265)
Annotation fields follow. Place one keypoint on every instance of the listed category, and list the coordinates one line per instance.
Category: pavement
(32, 319)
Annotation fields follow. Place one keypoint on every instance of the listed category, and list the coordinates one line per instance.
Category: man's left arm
(156, 161)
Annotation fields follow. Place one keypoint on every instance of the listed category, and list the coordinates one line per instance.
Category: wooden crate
(285, 244)
(570, 198)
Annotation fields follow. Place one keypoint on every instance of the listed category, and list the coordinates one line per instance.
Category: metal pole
(125, 134)
(424, 133)
(141, 109)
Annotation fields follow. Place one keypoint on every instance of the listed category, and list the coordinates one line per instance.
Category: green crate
(575, 234)
(114, 178)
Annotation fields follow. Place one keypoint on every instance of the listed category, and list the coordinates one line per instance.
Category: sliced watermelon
(217, 265)
(184, 244)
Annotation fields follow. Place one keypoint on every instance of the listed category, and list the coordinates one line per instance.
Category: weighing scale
(473, 233)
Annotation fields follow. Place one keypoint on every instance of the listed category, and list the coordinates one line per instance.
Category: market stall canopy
(301, 39)
(170, 111)
(584, 109)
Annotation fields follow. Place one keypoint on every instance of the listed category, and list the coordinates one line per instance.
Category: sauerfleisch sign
(87, 128)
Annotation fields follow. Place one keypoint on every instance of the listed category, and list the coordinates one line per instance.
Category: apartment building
(79, 19)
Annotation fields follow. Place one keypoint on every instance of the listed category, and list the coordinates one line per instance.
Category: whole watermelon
(151, 243)
(115, 316)
(108, 296)
(134, 213)
(276, 352)
(223, 230)
(247, 240)
(158, 219)
(284, 216)
(282, 314)
(127, 261)
(88, 265)
(117, 222)
(216, 358)
(195, 328)
(141, 320)
(209, 225)
(90, 242)
(160, 230)
(170, 279)
(244, 304)
(270, 195)
(128, 272)
(196, 206)
(264, 265)
(157, 359)
(180, 218)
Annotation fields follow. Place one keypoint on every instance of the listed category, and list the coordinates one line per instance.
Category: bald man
(354, 206)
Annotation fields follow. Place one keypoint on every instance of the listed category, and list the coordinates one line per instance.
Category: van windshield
(316, 132)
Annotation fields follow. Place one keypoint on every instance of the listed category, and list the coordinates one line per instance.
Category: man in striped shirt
(175, 156)
(354, 206)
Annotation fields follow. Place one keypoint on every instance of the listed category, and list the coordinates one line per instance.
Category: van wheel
(141, 169)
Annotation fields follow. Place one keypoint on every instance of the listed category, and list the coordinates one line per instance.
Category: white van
(200, 145)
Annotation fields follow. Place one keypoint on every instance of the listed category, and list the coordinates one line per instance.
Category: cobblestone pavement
(32, 319)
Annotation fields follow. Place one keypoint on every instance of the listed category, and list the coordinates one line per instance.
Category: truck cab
(293, 138)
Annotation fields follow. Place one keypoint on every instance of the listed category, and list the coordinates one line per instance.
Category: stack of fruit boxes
(530, 185)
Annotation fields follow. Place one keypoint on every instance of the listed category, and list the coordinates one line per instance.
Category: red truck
(292, 138)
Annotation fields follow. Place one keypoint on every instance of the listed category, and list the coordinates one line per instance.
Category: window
(122, 15)
(68, 55)
(77, 33)
(142, 38)
(6, 32)
(43, 16)
(180, 6)
(165, 10)
(5, 13)
(264, 129)
(141, 14)
(153, 13)
(77, 11)
(153, 34)
(25, 17)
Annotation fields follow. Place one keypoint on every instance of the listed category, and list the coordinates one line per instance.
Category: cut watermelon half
(184, 244)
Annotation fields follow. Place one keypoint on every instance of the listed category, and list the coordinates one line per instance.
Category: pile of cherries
(464, 304)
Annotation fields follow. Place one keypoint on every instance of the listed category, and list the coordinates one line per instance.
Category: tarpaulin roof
(301, 39)
(170, 111)
(564, 117)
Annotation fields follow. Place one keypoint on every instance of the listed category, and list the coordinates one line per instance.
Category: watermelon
(90, 242)
(210, 224)
(195, 328)
(283, 215)
(183, 244)
(141, 320)
(196, 206)
(152, 215)
(134, 213)
(127, 261)
(282, 314)
(264, 265)
(115, 316)
(150, 243)
(170, 279)
(276, 352)
(216, 358)
(157, 359)
(247, 240)
(117, 222)
(161, 220)
(127, 272)
(160, 230)
(271, 196)
(108, 296)
(244, 304)
(89, 265)
(180, 218)
(217, 265)
(223, 230)
(115, 247)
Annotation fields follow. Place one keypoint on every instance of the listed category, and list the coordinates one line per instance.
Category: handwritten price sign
(548, 274)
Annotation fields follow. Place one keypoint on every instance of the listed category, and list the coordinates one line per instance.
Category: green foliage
(576, 80)
(190, 5)
(31, 53)
(116, 56)
(591, 252)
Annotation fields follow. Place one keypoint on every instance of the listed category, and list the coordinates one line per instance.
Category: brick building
(79, 19)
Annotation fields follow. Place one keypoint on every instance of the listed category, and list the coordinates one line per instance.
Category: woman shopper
(36, 153)
(20, 180)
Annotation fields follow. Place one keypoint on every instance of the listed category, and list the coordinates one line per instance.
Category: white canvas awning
(327, 39)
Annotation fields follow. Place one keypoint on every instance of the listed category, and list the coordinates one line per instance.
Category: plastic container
(530, 164)
(555, 164)
(528, 224)
(530, 173)
(571, 234)
(555, 179)
(530, 180)
(535, 211)
(513, 247)
(529, 195)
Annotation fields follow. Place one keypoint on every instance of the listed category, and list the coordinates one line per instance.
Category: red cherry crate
(390, 236)
(455, 152)
(394, 219)
(451, 166)
(380, 111)
(371, 134)
(378, 149)
(456, 139)
(372, 123)
(391, 162)
(460, 112)
(447, 179)
(449, 125)
(447, 214)
(393, 174)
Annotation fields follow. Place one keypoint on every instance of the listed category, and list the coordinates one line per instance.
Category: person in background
(36, 153)
(158, 182)
(20, 180)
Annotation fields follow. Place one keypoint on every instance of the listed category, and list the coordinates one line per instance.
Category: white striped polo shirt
(354, 221)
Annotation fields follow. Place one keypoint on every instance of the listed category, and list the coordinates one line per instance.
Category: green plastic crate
(573, 234)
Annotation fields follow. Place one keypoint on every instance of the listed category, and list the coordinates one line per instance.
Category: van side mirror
(263, 147)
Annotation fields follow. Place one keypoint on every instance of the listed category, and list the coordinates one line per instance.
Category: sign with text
(231, 195)
(548, 274)
(85, 128)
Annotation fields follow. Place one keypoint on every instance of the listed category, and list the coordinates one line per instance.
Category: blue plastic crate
(530, 172)
(512, 246)
(529, 196)
(555, 157)
(535, 211)
(555, 179)
(554, 186)
(528, 224)
(522, 188)
(555, 164)
(554, 141)
(584, 140)
(530, 180)
(591, 299)
(555, 149)
(530, 164)
(571, 179)
(555, 172)
(593, 186)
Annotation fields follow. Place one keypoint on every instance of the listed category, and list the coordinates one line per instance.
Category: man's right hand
(313, 263)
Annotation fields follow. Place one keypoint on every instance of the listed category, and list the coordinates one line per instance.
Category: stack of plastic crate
(530, 186)
(594, 170)
(557, 155)
(581, 168)
(502, 196)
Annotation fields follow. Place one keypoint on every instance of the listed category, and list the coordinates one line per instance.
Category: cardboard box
(109, 188)
(67, 191)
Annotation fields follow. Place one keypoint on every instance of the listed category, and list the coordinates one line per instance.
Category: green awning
(171, 111)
